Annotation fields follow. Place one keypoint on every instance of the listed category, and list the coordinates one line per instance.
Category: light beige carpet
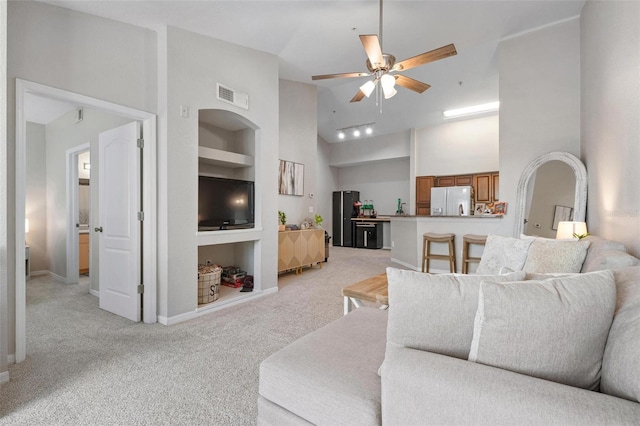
(86, 366)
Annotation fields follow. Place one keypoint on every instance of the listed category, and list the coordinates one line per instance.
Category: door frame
(72, 154)
(149, 198)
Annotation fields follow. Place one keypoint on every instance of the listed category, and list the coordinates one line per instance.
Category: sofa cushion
(621, 362)
(330, 376)
(606, 254)
(435, 312)
(556, 256)
(503, 252)
(555, 329)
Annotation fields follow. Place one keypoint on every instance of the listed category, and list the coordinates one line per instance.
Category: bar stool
(468, 239)
(429, 238)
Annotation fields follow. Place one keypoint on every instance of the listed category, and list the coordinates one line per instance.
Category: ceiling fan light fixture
(387, 82)
(470, 110)
(368, 87)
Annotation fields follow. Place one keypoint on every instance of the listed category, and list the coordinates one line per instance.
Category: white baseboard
(214, 307)
(95, 293)
(11, 358)
(36, 273)
(4, 377)
(399, 262)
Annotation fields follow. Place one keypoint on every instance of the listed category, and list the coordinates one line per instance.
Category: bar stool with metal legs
(429, 238)
(468, 239)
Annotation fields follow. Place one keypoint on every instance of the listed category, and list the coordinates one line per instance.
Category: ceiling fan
(382, 65)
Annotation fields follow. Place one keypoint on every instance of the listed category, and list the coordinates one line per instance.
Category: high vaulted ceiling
(321, 37)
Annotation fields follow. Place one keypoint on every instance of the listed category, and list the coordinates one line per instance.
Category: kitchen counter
(372, 219)
(406, 237)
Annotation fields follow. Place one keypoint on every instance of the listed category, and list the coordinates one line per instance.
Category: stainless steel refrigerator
(343, 211)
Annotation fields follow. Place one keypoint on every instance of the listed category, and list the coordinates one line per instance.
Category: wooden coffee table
(372, 289)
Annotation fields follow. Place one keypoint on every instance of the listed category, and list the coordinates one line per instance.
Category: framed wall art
(291, 178)
(561, 214)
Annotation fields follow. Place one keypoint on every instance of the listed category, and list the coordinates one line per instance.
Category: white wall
(80, 53)
(62, 134)
(458, 147)
(36, 196)
(4, 186)
(299, 143)
(326, 183)
(610, 46)
(539, 102)
(189, 68)
(383, 182)
(370, 149)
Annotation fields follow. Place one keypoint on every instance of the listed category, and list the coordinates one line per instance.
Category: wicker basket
(208, 283)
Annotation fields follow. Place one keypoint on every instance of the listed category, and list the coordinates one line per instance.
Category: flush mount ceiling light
(471, 110)
(355, 130)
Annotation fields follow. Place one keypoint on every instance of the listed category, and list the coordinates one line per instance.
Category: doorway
(148, 260)
(78, 180)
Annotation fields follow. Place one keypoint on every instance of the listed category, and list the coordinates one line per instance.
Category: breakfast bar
(407, 231)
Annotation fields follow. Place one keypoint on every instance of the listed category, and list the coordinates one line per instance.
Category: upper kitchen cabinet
(423, 195)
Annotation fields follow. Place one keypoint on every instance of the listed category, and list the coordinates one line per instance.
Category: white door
(119, 228)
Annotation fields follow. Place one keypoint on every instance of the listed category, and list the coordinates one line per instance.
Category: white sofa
(410, 365)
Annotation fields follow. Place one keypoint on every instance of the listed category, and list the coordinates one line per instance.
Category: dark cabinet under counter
(369, 235)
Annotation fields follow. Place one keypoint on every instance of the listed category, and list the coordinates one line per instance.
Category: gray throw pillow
(556, 256)
(433, 312)
(621, 362)
(554, 329)
(503, 252)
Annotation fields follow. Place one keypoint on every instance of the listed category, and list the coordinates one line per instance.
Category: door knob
(98, 229)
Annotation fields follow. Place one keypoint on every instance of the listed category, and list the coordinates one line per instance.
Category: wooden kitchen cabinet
(423, 195)
(445, 181)
(83, 253)
(464, 180)
(487, 187)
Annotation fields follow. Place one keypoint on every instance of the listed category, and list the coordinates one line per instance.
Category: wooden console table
(300, 248)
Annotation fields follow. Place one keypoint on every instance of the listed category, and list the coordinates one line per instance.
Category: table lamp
(571, 230)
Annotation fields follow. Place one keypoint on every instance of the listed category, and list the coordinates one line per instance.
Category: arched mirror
(552, 187)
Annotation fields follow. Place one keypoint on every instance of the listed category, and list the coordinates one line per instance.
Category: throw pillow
(556, 256)
(502, 252)
(621, 361)
(435, 313)
(554, 329)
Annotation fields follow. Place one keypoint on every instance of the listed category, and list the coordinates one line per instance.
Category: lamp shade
(387, 82)
(569, 230)
(368, 87)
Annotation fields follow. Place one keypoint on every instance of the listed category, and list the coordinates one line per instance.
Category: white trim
(72, 175)
(214, 307)
(580, 198)
(11, 358)
(405, 264)
(541, 27)
(95, 293)
(4, 377)
(149, 226)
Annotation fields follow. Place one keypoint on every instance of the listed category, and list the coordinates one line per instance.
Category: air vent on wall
(227, 94)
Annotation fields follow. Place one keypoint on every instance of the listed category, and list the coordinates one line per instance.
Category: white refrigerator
(451, 201)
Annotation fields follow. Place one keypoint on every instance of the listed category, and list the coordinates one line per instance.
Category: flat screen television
(225, 204)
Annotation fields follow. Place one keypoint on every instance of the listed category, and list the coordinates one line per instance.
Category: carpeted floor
(86, 366)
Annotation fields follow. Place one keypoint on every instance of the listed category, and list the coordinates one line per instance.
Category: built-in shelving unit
(220, 158)
(226, 148)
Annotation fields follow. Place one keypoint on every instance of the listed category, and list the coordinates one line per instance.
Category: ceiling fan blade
(425, 58)
(374, 51)
(344, 75)
(411, 84)
(358, 97)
